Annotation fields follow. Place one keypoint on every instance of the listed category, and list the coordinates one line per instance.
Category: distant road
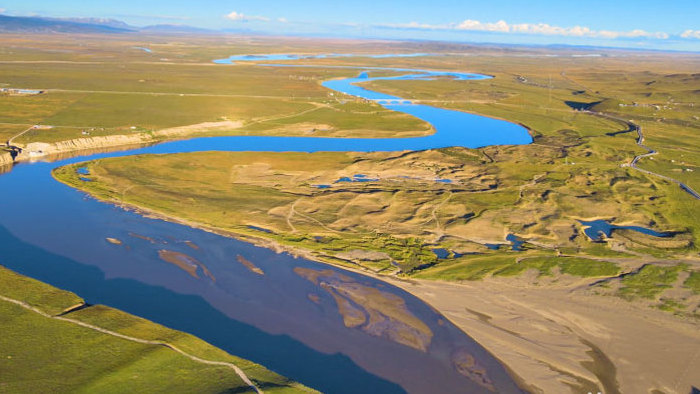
(320, 97)
(650, 152)
(640, 142)
(9, 142)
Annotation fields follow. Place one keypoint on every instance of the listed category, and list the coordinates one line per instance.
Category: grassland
(41, 353)
(657, 92)
(649, 281)
(111, 89)
(478, 268)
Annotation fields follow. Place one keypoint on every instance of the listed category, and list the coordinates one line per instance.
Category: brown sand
(559, 340)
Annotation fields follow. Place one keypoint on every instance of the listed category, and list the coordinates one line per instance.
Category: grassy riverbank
(40, 353)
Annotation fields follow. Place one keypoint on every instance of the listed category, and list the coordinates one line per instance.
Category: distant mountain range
(175, 29)
(95, 21)
(21, 24)
(17, 24)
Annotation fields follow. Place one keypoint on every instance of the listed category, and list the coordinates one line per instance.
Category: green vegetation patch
(693, 282)
(670, 305)
(471, 268)
(49, 299)
(478, 267)
(650, 281)
(576, 266)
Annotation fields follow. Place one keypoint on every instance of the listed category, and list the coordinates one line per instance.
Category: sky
(669, 24)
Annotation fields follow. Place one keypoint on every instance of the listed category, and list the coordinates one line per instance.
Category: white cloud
(637, 33)
(282, 20)
(239, 17)
(537, 28)
(2, 10)
(469, 24)
(691, 34)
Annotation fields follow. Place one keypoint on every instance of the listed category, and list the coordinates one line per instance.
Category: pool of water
(441, 253)
(356, 178)
(516, 243)
(596, 229)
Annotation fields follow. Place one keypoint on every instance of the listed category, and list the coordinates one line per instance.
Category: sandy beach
(557, 340)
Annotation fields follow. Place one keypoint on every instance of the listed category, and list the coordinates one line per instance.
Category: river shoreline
(403, 283)
(532, 360)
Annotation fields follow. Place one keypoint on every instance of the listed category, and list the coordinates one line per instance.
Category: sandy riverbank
(34, 150)
(556, 337)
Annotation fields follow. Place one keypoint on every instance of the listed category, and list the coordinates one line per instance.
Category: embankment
(5, 159)
(41, 149)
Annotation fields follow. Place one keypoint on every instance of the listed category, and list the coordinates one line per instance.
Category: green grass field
(108, 88)
(41, 354)
(650, 281)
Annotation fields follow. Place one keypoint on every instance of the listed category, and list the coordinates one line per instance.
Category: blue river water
(147, 50)
(56, 234)
(453, 128)
(596, 229)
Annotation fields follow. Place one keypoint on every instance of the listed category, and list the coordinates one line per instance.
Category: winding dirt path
(650, 152)
(9, 142)
(235, 368)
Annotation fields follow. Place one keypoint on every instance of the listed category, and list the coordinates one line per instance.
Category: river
(328, 328)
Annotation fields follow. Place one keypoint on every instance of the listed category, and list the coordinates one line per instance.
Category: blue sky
(670, 24)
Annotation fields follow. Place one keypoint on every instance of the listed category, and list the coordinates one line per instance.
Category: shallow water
(516, 242)
(596, 229)
(282, 320)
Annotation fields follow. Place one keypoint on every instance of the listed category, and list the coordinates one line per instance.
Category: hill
(175, 29)
(17, 24)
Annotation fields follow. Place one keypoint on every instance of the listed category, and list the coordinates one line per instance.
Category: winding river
(331, 329)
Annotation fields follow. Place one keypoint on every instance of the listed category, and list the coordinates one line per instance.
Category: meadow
(118, 89)
(41, 353)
